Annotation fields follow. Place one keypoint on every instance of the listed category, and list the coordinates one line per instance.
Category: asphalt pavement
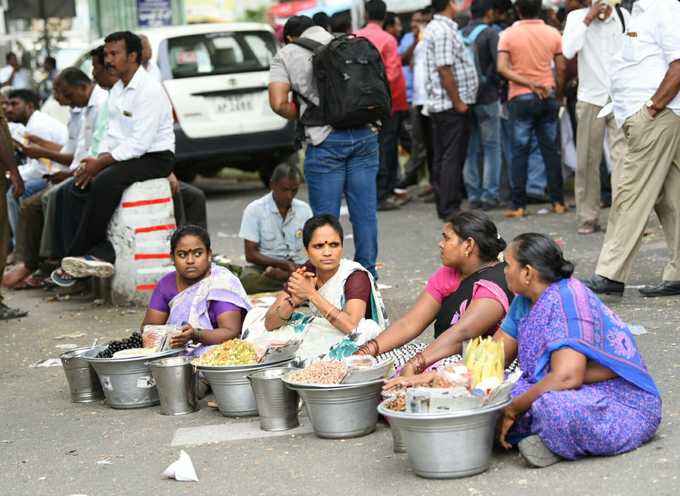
(50, 446)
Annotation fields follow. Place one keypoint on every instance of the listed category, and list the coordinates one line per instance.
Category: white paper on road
(67, 346)
(74, 335)
(637, 330)
(48, 362)
(182, 470)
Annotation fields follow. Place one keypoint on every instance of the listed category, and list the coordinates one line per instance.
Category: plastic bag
(159, 337)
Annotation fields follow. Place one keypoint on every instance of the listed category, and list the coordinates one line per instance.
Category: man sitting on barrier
(139, 146)
(36, 226)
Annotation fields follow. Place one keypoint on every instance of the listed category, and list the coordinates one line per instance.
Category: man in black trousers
(139, 146)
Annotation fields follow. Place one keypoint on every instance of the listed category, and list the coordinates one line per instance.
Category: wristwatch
(650, 104)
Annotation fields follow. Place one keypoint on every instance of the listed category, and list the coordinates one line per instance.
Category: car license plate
(231, 104)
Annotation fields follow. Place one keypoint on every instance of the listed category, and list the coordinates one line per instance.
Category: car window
(220, 53)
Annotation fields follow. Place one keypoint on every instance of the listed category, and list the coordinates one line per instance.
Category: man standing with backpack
(386, 44)
(452, 84)
(342, 146)
(485, 120)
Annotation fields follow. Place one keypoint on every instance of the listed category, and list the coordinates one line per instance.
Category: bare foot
(17, 274)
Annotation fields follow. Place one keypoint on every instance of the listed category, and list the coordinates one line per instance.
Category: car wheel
(186, 176)
(265, 173)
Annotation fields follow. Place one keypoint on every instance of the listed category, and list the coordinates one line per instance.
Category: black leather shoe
(601, 285)
(664, 288)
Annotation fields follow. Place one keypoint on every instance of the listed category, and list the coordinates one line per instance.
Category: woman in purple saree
(585, 389)
(206, 301)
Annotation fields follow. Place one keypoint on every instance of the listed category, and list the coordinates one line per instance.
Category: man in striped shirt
(452, 84)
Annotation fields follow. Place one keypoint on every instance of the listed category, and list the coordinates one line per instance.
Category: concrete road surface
(49, 446)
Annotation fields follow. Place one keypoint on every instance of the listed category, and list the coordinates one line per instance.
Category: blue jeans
(485, 126)
(31, 187)
(347, 162)
(536, 180)
(529, 114)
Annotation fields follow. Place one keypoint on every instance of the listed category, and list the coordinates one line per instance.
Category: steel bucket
(177, 384)
(448, 445)
(344, 411)
(398, 442)
(128, 382)
(82, 379)
(232, 389)
(276, 404)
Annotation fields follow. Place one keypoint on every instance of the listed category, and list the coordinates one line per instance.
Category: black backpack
(351, 80)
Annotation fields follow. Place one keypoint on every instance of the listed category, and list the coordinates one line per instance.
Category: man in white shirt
(645, 86)
(23, 105)
(74, 88)
(595, 34)
(139, 145)
(19, 78)
(271, 229)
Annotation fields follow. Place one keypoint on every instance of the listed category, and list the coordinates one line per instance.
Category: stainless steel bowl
(343, 411)
(449, 445)
(81, 376)
(380, 371)
(127, 382)
(232, 389)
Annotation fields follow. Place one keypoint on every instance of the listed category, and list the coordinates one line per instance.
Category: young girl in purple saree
(585, 389)
(206, 301)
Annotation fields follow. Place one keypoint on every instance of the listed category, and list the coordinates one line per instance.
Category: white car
(216, 76)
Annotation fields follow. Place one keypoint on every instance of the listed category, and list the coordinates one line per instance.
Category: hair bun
(567, 269)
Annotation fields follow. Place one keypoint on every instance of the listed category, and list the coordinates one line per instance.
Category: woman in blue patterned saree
(585, 389)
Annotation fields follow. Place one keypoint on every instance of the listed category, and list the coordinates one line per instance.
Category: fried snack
(230, 353)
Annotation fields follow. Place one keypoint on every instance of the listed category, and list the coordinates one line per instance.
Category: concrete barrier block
(140, 232)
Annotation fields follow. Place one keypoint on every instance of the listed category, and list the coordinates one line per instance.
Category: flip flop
(7, 313)
(31, 282)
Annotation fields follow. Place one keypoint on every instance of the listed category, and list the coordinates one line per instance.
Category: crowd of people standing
(488, 103)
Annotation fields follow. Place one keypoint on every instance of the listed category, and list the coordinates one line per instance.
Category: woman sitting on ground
(465, 298)
(345, 305)
(585, 389)
(207, 301)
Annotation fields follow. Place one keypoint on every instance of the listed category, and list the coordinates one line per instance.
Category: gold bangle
(328, 313)
(335, 316)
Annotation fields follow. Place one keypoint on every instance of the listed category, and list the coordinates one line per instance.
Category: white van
(216, 76)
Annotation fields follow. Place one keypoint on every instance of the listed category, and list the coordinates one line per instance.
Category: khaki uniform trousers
(589, 142)
(648, 179)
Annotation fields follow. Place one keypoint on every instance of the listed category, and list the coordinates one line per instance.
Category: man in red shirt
(388, 174)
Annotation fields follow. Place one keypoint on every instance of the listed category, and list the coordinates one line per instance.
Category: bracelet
(370, 347)
(335, 316)
(418, 362)
(197, 335)
(328, 313)
(373, 347)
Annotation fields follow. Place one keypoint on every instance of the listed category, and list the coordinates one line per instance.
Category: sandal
(7, 313)
(31, 282)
